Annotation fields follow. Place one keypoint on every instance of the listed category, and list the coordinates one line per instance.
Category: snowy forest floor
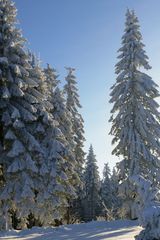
(115, 230)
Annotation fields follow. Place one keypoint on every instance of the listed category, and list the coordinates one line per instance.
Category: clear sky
(86, 34)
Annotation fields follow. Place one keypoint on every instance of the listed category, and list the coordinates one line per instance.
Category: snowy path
(116, 230)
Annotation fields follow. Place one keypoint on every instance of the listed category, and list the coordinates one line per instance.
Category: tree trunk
(6, 223)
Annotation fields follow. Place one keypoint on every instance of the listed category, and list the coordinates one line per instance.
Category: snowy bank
(119, 230)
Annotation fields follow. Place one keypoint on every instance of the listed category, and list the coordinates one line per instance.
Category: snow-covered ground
(115, 230)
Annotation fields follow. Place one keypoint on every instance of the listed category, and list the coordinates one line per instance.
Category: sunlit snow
(119, 230)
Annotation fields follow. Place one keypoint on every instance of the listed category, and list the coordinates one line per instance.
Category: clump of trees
(41, 154)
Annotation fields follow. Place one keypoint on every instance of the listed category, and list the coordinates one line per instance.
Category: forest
(46, 177)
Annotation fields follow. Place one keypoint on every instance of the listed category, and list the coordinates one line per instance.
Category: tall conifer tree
(73, 106)
(106, 188)
(135, 115)
(18, 146)
(92, 199)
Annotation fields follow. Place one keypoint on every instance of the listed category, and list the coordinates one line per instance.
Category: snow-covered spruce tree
(73, 106)
(135, 116)
(92, 203)
(63, 117)
(18, 145)
(57, 169)
(134, 96)
(106, 191)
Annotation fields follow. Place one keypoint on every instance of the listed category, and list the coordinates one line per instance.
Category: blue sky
(86, 34)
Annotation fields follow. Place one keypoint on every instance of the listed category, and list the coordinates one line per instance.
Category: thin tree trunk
(6, 218)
